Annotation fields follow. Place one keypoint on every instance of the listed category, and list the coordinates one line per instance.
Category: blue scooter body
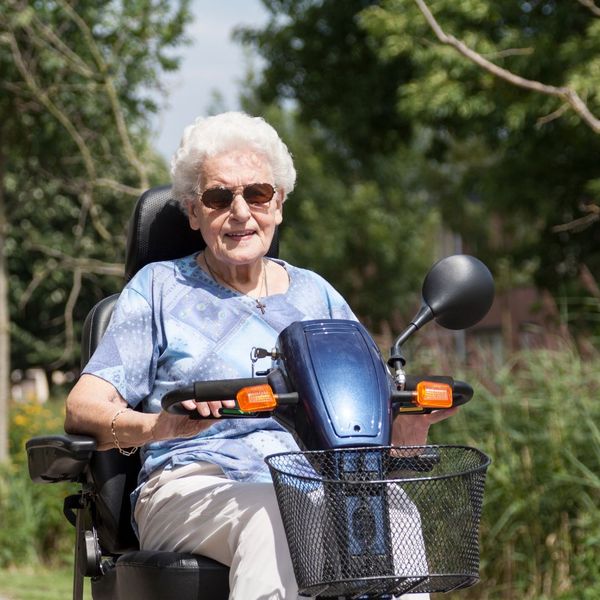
(342, 381)
(344, 391)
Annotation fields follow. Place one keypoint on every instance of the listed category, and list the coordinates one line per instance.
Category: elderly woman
(204, 487)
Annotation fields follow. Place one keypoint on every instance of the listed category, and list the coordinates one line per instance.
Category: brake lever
(231, 413)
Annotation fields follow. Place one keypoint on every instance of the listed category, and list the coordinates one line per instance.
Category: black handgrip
(171, 400)
(206, 391)
(462, 392)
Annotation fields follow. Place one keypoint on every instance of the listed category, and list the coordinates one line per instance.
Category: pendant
(260, 306)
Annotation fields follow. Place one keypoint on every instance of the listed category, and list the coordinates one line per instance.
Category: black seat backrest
(158, 230)
(113, 475)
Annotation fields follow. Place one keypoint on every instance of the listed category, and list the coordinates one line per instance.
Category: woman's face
(239, 234)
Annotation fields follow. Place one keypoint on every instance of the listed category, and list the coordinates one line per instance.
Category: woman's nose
(239, 207)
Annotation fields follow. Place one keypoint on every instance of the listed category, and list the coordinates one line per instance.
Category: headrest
(159, 230)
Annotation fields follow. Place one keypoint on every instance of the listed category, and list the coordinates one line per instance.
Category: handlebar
(228, 389)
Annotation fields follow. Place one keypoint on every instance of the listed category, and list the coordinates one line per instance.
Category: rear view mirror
(457, 292)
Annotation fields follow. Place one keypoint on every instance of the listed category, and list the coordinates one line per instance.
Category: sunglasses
(254, 194)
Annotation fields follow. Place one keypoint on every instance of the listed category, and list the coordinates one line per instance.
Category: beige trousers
(196, 509)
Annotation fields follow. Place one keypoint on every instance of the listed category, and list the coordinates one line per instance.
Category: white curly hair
(210, 136)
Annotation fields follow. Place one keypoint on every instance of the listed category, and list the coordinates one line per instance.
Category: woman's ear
(192, 212)
(279, 200)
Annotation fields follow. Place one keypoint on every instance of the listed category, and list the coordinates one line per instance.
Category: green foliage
(33, 528)
(372, 237)
(317, 55)
(506, 167)
(78, 88)
(541, 170)
(537, 418)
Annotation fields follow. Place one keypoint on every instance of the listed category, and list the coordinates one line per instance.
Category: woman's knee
(262, 553)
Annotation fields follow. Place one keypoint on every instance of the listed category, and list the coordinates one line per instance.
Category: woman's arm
(412, 430)
(93, 404)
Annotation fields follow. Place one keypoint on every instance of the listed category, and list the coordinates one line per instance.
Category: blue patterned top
(173, 324)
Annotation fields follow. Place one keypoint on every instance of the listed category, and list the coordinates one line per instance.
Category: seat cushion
(151, 575)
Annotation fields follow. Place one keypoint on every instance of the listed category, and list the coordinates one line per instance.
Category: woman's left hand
(411, 429)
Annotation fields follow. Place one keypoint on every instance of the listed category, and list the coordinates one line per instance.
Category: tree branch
(566, 94)
(510, 52)
(593, 215)
(86, 265)
(68, 316)
(52, 108)
(561, 110)
(31, 287)
(43, 96)
(591, 5)
(53, 43)
(111, 92)
(89, 206)
(119, 187)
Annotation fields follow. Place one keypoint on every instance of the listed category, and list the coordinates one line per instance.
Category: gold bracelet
(113, 430)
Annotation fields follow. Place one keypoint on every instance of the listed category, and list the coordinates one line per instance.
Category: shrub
(33, 526)
(537, 418)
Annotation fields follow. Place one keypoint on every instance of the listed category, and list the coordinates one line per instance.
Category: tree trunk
(4, 325)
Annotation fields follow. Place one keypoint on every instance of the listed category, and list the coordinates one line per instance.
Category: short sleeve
(337, 305)
(128, 352)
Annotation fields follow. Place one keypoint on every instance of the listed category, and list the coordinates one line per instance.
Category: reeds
(537, 417)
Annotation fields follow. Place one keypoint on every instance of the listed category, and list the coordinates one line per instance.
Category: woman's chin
(242, 252)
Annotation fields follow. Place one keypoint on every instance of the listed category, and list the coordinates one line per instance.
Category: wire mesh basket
(381, 522)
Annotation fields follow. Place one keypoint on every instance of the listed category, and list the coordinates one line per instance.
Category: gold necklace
(264, 285)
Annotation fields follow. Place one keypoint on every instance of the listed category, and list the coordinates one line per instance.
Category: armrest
(62, 457)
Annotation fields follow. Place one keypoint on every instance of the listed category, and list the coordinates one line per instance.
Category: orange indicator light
(431, 394)
(256, 398)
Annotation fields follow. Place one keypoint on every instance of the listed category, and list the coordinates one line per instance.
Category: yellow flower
(20, 420)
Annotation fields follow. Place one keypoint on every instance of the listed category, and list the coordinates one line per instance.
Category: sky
(213, 62)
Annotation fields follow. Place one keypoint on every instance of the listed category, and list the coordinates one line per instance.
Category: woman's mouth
(240, 235)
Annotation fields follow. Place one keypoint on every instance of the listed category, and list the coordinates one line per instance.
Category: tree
(542, 186)
(74, 154)
(508, 168)
(357, 215)
(317, 55)
(572, 100)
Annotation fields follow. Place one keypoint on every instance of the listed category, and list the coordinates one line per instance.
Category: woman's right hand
(93, 403)
(169, 426)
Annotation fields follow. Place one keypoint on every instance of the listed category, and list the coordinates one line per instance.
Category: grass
(43, 583)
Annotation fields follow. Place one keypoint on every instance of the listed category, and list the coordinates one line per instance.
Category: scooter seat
(144, 574)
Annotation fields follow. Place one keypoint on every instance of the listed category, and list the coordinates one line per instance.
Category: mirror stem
(401, 339)
(424, 315)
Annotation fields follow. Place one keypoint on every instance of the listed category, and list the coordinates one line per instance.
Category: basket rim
(486, 461)
(430, 577)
